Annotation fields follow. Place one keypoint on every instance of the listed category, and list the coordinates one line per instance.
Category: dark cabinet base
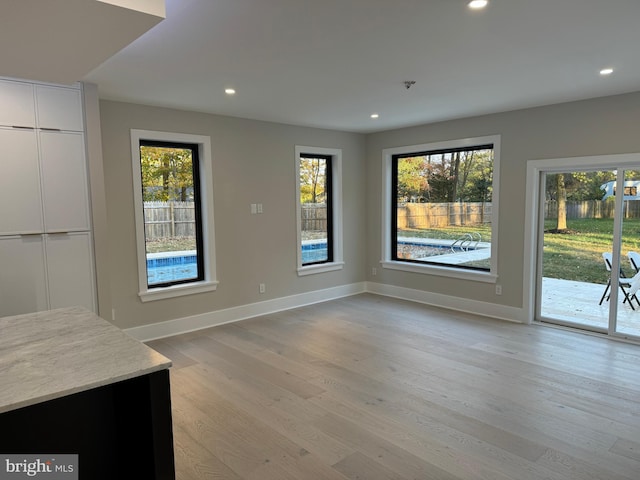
(122, 430)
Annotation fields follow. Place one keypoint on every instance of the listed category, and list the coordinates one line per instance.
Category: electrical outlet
(374, 271)
(254, 209)
(259, 208)
(498, 289)
(262, 288)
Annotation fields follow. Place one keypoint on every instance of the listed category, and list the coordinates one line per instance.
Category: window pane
(443, 207)
(315, 200)
(171, 213)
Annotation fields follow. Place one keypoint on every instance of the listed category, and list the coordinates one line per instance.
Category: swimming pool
(172, 266)
(314, 251)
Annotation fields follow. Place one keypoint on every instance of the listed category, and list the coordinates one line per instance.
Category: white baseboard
(219, 317)
(502, 312)
(229, 315)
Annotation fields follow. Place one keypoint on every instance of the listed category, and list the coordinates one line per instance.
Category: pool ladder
(466, 242)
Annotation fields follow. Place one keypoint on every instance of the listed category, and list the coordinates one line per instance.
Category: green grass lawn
(576, 255)
(171, 244)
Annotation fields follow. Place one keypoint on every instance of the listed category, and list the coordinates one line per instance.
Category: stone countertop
(55, 353)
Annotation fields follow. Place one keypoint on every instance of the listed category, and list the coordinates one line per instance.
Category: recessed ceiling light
(229, 91)
(374, 115)
(606, 71)
(477, 4)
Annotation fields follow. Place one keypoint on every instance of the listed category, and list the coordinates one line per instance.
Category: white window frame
(336, 186)
(206, 198)
(387, 204)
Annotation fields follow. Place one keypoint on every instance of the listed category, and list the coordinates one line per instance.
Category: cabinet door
(20, 200)
(70, 270)
(17, 107)
(59, 108)
(64, 182)
(22, 276)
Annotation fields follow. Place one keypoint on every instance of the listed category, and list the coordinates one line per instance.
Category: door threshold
(577, 328)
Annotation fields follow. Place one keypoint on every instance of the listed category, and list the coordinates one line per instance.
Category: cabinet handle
(50, 129)
(21, 127)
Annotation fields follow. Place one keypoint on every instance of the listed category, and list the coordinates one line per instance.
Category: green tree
(463, 176)
(167, 173)
(413, 178)
(312, 180)
(561, 222)
(476, 178)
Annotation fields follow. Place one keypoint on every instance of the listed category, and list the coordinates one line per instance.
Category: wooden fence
(314, 217)
(169, 219)
(176, 219)
(592, 209)
(427, 215)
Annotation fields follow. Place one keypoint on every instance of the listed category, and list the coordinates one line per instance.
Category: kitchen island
(72, 383)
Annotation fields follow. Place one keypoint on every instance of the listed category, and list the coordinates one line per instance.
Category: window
(171, 206)
(174, 213)
(442, 208)
(319, 209)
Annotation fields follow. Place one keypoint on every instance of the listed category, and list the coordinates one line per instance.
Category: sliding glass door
(627, 319)
(587, 236)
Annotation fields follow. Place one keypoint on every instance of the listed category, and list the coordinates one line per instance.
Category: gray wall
(253, 162)
(607, 125)
(259, 156)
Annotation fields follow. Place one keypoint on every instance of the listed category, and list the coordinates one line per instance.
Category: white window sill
(442, 271)
(177, 291)
(320, 268)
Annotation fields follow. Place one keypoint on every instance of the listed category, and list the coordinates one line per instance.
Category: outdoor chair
(629, 286)
(634, 259)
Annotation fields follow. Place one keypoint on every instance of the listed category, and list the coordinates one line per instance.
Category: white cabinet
(23, 285)
(41, 272)
(20, 197)
(17, 107)
(43, 106)
(59, 108)
(64, 182)
(46, 245)
(69, 260)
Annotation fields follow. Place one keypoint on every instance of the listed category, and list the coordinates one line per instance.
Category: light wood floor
(371, 388)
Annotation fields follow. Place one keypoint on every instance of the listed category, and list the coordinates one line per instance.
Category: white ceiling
(332, 63)
(59, 41)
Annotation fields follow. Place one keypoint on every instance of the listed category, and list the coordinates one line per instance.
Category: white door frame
(534, 208)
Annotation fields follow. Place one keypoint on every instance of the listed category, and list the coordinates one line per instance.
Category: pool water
(184, 267)
(314, 251)
(172, 273)
(174, 266)
(171, 267)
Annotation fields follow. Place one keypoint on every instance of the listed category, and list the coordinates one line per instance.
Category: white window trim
(336, 185)
(442, 270)
(206, 197)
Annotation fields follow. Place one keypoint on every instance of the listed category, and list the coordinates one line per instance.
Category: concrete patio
(567, 301)
(577, 302)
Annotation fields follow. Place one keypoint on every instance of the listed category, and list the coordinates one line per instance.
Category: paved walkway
(482, 253)
(577, 302)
